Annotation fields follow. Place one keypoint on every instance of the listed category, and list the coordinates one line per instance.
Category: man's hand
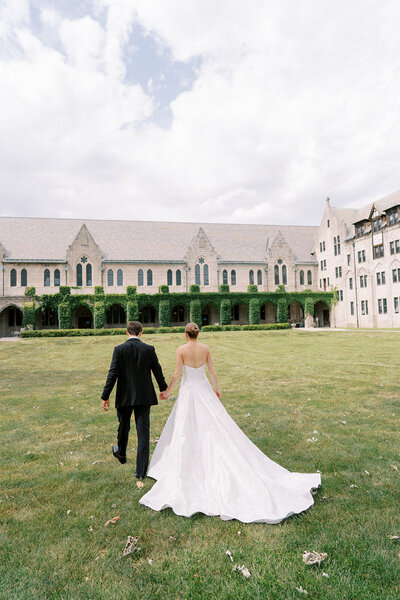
(164, 396)
(106, 404)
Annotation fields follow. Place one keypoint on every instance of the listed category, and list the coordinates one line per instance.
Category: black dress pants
(142, 420)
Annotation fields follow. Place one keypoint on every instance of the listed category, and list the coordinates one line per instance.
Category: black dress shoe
(122, 459)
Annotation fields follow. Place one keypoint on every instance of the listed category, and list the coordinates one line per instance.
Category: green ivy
(252, 289)
(225, 312)
(195, 312)
(99, 315)
(223, 288)
(30, 291)
(163, 289)
(282, 313)
(64, 315)
(194, 288)
(29, 311)
(164, 314)
(254, 312)
(132, 310)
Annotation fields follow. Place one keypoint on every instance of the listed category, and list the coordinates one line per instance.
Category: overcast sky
(247, 111)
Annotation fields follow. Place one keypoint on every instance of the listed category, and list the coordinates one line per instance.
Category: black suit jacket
(131, 366)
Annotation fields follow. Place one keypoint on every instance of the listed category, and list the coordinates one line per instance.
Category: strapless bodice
(194, 374)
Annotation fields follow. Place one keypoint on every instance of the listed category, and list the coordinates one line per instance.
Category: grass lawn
(60, 482)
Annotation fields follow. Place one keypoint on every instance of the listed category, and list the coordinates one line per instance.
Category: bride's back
(194, 354)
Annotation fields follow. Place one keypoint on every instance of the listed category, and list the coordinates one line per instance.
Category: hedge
(223, 288)
(309, 307)
(254, 312)
(64, 315)
(195, 312)
(132, 310)
(99, 315)
(246, 327)
(164, 313)
(29, 314)
(225, 312)
(282, 313)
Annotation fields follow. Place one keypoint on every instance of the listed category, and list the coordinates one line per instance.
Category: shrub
(194, 288)
(131, 293)
(64, 315)
(282, 313)
(223, 288)
(132, 310)
(266, 326)
(29, 314)
(30, 291)
(164, 313)
(195, 312)
(252, 289)
(98, 290)
(309, 307)
(170, 330)
(213, 328)
(254, 311)
(163, 289)
(225, 312)
(65, 290)
(99, 315)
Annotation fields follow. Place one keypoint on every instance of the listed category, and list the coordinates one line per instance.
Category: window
(24, 278)
(382, 306)
(322, 265)
(140, 278)
(320, 283)
(57, 278)
(276, 271)
(169, 277)
(49, 317)
(110, 277)
(178, 314)
(377, 224)
(396, 275)
(205, 275)
(79, 275)
(338, 271)
(363, 281)
(348, 259)
(309, 277)
(334, 246)
(328, 223)
(396, 302)
(120, 277)
(393, 217)
(380, 278)
(14, 316)
(350, 283)
(352, 309)
(397, 246)
(360, 230)
(251, 277)
(320, 246)
(259, 277)
(364, 307)
(115, 315)
(361, 256)
(301, 277)
(235, 313)
(13, 278)
(178, 277)
(89, 275)
(224, 276)
(149, 277)
(46, 277)
(391, 247)
(233, 277)
(197, 274)
(147, 315)
(284, 275)
(378, 251)
(340, 295)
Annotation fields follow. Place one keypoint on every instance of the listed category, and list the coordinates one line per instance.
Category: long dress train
(204, 463)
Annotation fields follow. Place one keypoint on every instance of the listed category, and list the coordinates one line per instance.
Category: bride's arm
(213, 374)
(177, 373)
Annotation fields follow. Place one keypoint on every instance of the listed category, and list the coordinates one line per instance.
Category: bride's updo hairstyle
(192, 330)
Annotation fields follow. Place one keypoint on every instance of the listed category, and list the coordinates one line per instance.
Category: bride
(203, 461)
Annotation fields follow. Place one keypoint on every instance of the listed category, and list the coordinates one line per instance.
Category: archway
(115, 316)
(179, 315)
(11, 320)
(322, 314)
(46, 318)
(296, 314)
(267, 313)
(82, 318)
(148, 316)
(209, 315)
(240, 315)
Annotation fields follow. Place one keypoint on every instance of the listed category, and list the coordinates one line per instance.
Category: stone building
(355, 251)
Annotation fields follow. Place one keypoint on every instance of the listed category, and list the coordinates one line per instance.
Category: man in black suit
(131, 366)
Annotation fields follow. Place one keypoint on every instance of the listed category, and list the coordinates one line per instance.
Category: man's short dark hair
(134, 327)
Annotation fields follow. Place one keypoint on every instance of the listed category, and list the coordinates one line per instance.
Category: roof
(350, 216)
(45, 238)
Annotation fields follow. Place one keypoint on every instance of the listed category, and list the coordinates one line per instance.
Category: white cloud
(292, 102)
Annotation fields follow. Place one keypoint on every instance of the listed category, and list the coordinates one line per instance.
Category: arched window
(205, 275)
(233, 277)
(79, 274)
(57, 278)
(276, 271)
(301, 277)
(13, 278)
(149, 277)
(284, 275)
(309, 278)
(169, 277)
(259, 277)
(224, 276)
(178, 277)
(251, 277)
(140, 277)
(89, 275)
(24, 277)
(110, 277)
(120, 277)
(46, 278)
(197, 274)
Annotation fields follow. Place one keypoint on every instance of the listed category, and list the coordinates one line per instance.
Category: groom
(131, 366)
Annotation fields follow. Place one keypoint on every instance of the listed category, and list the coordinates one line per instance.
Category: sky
(239, 111)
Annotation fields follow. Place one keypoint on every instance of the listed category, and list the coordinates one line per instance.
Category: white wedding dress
(204, 463)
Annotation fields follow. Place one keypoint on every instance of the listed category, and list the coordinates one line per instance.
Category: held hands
(105, 404)
(164, 395)
(218, 393)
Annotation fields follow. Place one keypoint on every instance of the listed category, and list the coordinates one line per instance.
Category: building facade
(356, 252)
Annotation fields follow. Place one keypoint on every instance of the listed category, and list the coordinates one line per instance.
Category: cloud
(290, 103)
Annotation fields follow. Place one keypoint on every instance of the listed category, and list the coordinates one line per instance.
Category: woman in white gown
(204, 462)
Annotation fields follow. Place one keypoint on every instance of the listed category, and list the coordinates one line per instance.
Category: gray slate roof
(41, 239)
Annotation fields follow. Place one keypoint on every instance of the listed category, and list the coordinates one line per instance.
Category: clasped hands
(164, 395)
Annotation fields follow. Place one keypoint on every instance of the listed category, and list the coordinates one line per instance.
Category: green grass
(290, 383)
